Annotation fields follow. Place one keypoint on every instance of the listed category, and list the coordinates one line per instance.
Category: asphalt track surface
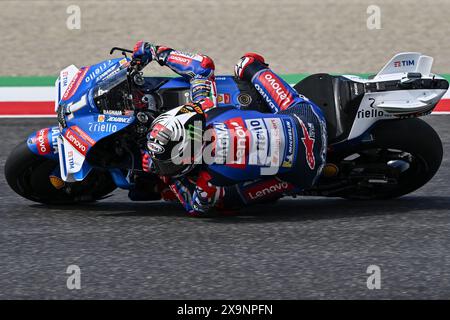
(295, 249)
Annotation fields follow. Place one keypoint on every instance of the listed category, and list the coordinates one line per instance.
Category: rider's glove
(144, 53)
(146, 161)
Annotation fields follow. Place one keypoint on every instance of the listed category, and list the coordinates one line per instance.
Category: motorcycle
(378, 147)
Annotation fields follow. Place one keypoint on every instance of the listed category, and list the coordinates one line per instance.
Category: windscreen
(111, 93)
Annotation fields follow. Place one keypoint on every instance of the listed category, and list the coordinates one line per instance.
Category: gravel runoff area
(295, 36)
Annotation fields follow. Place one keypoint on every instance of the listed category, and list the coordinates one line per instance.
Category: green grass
(49, 81)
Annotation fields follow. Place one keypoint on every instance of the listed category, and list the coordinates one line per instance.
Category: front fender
(44, 142)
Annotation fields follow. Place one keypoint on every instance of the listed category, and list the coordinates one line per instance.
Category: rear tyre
(411, 137)
(28, 175)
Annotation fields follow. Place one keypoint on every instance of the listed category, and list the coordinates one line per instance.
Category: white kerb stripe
(34, 94)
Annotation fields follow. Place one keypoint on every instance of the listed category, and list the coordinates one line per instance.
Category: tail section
(406, 62)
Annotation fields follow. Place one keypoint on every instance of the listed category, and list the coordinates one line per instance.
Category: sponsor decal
(275, 128)
(100, 70)
(64, 78)
(55, 135)
(259, 142)
(101, 118)
(180, 59)
(102, 127)
(113, 112)
(267, 189)
(123, 62)
(308, 141)
(222, 142)
(80, 145)
(206, 104)
(266, 97)
(223, 98)
(193, 56)
(188, 108)
(370, 113)
(240, 141)
(119, 119)
(403, 63)
(42, 143)
(155, 148)
(109, 73)
(276, 89)
(290, 145)
(194, 133)
(75, 83)
(70, 159)
(83, 134)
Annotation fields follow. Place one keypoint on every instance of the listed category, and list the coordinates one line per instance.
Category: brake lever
(121, 49)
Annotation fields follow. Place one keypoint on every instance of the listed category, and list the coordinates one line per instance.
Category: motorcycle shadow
(307, 209)
(299, 209)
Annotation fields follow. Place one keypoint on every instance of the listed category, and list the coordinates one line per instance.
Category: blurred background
(295, 36)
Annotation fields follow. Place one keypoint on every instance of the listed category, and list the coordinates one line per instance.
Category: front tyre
(28, 175)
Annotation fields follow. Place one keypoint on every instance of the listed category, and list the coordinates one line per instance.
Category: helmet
(175, 140)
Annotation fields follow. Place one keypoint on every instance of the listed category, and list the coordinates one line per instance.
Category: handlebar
(120, 49)
(134, 74)
(133, 67)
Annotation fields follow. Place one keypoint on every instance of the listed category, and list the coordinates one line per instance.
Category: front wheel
(28, 175)
(404, 156)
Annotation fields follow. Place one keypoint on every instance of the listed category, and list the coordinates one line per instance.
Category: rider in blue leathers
(272, 154)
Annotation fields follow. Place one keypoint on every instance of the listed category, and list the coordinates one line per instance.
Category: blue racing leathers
(258, 156)
(250, 156)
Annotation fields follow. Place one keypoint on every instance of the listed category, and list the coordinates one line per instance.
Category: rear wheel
(404, 156)
(28, 175)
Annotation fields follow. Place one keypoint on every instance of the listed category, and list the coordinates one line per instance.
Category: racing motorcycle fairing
(81, 123)
(62, 82)
(71, 160)
(352, 104)
(76, 141)
(85, 78)
(404, 63)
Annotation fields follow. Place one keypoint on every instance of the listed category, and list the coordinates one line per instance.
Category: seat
(339, 99)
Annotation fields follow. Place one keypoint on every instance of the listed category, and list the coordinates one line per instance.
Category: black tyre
(28, 175)
(413, 141)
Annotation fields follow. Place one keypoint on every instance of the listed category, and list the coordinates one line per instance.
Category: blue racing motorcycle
(378, 148)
